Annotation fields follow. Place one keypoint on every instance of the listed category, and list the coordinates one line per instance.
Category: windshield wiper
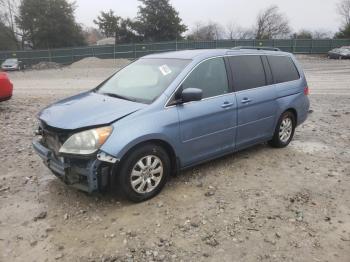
(118, 96)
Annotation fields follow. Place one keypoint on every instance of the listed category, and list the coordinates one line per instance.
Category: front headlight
(86, 142)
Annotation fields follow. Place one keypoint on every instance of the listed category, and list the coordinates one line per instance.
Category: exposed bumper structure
(85, 174)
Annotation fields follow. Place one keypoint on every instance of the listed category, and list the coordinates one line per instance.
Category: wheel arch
(175, 162)
(294, 111)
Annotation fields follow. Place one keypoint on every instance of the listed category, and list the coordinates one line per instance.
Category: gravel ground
(261, 204)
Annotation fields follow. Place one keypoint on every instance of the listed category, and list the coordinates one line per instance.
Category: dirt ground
(261, 204)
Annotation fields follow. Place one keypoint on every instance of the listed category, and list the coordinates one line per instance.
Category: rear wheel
(284, 131)
(144, 172)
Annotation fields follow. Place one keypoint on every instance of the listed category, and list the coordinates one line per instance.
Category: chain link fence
(133, 51)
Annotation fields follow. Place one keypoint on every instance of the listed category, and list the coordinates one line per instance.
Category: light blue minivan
(167, 112)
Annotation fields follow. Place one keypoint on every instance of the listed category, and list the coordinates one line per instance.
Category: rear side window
(283, 69)
(210, 76)
(248, 72)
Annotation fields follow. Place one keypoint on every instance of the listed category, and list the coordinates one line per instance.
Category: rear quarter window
(283, 69)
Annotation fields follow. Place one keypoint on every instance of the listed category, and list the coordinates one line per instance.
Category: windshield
(10, 61)
(144, 80)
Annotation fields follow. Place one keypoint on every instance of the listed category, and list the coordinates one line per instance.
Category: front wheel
(284, 131)
(144, 172)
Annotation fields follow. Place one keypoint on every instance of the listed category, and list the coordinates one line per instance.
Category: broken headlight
(86, 142)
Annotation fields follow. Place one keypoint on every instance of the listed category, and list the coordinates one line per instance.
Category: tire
(287, 122)
(148, 167)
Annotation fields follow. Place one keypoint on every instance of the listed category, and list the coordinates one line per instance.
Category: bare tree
(316, 34)
(234, 31)
(246, 33)
(322, 34)
(209, 31)
(343, 9)
(219, 31)
(302, 34)
(8, 15)
(271, 24)
(231, 30)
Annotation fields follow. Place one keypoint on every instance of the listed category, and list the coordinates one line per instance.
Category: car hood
(87, 110)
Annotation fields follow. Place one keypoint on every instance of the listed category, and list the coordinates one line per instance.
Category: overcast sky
(309, 14)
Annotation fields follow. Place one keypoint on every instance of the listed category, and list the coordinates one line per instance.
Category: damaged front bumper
(88, 174)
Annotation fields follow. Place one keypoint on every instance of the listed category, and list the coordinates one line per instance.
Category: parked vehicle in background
(6, 87)
(12, 64)
(167, 112)
(340, 53)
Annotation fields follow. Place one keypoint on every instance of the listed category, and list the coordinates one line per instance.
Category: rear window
(248, 72)
(283, 69)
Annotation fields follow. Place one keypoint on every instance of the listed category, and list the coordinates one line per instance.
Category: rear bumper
(304, 113)
(88, 175)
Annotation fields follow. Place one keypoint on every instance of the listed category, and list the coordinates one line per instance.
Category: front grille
(52, 142)
(52, 138)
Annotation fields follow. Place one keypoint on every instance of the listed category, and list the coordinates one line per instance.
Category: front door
(208, 127)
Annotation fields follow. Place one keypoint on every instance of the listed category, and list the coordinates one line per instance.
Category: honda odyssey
(167, 112)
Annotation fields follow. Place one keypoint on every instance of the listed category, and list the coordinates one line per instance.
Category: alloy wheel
(286, 129)
(146, 174)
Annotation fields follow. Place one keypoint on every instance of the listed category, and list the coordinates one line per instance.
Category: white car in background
(12, 64)
(340, 53)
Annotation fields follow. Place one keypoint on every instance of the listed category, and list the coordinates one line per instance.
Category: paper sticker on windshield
(165, 70)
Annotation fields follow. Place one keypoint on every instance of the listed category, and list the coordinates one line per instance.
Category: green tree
(343, 9)
(127, 32)
(108, 23)
(158, 20)
(112, 25)
(8, 28)
(7, 41)
(344, 32)
(49, 24)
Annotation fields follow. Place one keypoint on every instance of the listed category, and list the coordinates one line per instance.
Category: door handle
(246, 100)
(226, 105)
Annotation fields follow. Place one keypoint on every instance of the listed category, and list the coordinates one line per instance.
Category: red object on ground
(6, 87)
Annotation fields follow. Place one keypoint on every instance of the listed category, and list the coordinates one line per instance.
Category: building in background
(106, 41)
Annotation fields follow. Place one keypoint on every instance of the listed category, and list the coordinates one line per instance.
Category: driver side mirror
(187, 95)
(191, 94)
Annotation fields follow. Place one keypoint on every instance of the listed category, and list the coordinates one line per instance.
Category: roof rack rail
(266, 48)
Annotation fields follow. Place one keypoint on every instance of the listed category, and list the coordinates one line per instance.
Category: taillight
(306, 91)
